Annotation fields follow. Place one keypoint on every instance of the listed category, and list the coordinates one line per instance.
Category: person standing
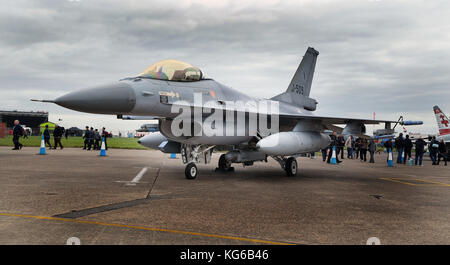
(91, 138)
(400, 144)
(420, 147)
(86, 137)
(324, 153)
(388, 146)
(357, 147)
(97, 139)
(443, 152)
(353, 147)
(372, 150)
(408, 148)
(105, 135)
(349, 145)
(333, 143)
(434, 148)
(57, 135)
(47, 136)
(18, 131)
(364, 146)
(341, 144)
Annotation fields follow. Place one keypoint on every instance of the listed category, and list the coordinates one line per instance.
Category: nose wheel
(191, 171)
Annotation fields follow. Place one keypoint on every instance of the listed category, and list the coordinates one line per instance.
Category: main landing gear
(224, 164)
(288, 164)
(193, 154)
(291, 166)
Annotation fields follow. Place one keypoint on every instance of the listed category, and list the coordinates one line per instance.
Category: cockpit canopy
(173, 70)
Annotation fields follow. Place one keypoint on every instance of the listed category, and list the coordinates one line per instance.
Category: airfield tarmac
(76, 193)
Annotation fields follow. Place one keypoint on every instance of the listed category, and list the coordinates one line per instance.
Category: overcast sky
(389, 57)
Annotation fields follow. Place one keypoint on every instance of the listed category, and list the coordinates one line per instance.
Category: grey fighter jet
(171, 89)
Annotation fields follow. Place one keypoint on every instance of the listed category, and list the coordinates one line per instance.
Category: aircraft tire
(224, 164)
(191, 171)
(291, 167)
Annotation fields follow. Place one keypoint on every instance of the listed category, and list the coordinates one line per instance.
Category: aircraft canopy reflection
(173, 70)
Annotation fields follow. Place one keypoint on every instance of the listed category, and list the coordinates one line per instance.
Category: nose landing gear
(192, 154)
(191, 171)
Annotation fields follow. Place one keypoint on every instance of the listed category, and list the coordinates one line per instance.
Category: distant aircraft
(443, 125)
(383, 135)
(136, 118)
(209, 114)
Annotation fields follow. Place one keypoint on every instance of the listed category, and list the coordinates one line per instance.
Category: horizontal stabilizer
(297, 100)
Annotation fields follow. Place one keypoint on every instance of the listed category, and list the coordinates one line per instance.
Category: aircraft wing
(332, 120)
(287, 114)
(328, 123)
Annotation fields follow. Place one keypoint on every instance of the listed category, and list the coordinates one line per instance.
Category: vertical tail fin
(442, 121)
(298, 90)
(302, 80)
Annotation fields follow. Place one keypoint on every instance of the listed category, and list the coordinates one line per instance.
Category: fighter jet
(210, 114)
(383, 135)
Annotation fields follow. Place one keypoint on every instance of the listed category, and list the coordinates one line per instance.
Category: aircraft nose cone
(116, 98)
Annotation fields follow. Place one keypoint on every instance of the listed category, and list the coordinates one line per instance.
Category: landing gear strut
(192, 154)
(288, 164)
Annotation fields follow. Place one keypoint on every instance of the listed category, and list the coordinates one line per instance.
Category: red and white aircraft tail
(442, 121)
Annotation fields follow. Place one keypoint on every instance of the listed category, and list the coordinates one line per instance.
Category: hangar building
(30, 119)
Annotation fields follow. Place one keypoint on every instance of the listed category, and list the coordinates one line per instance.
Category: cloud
(388, 57)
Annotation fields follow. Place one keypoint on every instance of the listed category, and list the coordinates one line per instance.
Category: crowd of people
(92, 138)
(358, 147)
(404, 147)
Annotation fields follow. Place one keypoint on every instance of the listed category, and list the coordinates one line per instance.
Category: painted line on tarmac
(138, 177)
(426, 183)
(146, 228)
(433, 182)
